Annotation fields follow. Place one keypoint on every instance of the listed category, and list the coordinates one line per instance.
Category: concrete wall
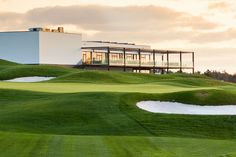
(60, 48)
(20, 47)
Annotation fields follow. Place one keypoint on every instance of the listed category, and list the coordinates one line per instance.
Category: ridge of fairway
(9, 70)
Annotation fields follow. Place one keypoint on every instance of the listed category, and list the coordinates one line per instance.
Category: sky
(207, 27)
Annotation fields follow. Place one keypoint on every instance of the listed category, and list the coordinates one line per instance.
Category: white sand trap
(179, 108)
(30, 79)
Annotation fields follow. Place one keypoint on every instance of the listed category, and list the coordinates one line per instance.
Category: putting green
(89, 87)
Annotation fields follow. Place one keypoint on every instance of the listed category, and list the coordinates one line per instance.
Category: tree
(221, 75)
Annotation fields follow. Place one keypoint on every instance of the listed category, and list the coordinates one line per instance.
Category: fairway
(106, 146)
(94, 114)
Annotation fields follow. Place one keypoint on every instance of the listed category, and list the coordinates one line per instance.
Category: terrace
(137, 59)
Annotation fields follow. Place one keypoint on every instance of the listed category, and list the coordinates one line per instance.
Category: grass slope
(132, 78)
(7, 63)
(11, 70)
(110, 114)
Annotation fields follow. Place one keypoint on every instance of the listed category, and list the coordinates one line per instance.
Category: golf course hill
(92, 113)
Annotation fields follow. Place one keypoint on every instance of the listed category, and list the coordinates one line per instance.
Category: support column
(167, 61)
(181, 65)
(193, 62)
(91, 57)
(124, 53)
(154, 61)
(162, 60)
(108, 58)
(139, 56)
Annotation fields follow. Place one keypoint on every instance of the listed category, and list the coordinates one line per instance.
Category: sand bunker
(180, 108)
(30, 79)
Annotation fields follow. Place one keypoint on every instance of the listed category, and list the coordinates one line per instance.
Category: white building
(45, 46)
(54, 46)
(41, 47)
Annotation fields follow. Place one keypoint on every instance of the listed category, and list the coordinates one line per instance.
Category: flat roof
(137, 49)
(110, 42)
(40, 31)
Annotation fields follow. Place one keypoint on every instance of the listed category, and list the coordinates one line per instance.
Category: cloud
(218, 6)
(218, 36)
(11, 20)
(129, 23)
(130, 18)
(195, 37)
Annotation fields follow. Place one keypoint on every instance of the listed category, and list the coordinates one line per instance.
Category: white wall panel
(60, 48)
(20, 47)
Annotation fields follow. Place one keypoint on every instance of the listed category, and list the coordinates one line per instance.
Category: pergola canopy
(105, 48)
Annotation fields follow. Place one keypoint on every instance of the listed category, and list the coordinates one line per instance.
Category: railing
(172, 64)
(120, 62)
(187, 64)
(132, 63)
(159, 64)
(117, 62)
(95, 62)
(149, 63)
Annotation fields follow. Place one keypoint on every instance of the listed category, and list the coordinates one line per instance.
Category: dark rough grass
(7, 63)
(10, 72)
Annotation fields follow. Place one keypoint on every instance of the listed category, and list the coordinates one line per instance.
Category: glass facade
(119, 58)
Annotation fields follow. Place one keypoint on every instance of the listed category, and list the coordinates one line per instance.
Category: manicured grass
(93, 113)
(38, 145)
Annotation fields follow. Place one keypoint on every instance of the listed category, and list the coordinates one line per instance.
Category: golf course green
(85, 113)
